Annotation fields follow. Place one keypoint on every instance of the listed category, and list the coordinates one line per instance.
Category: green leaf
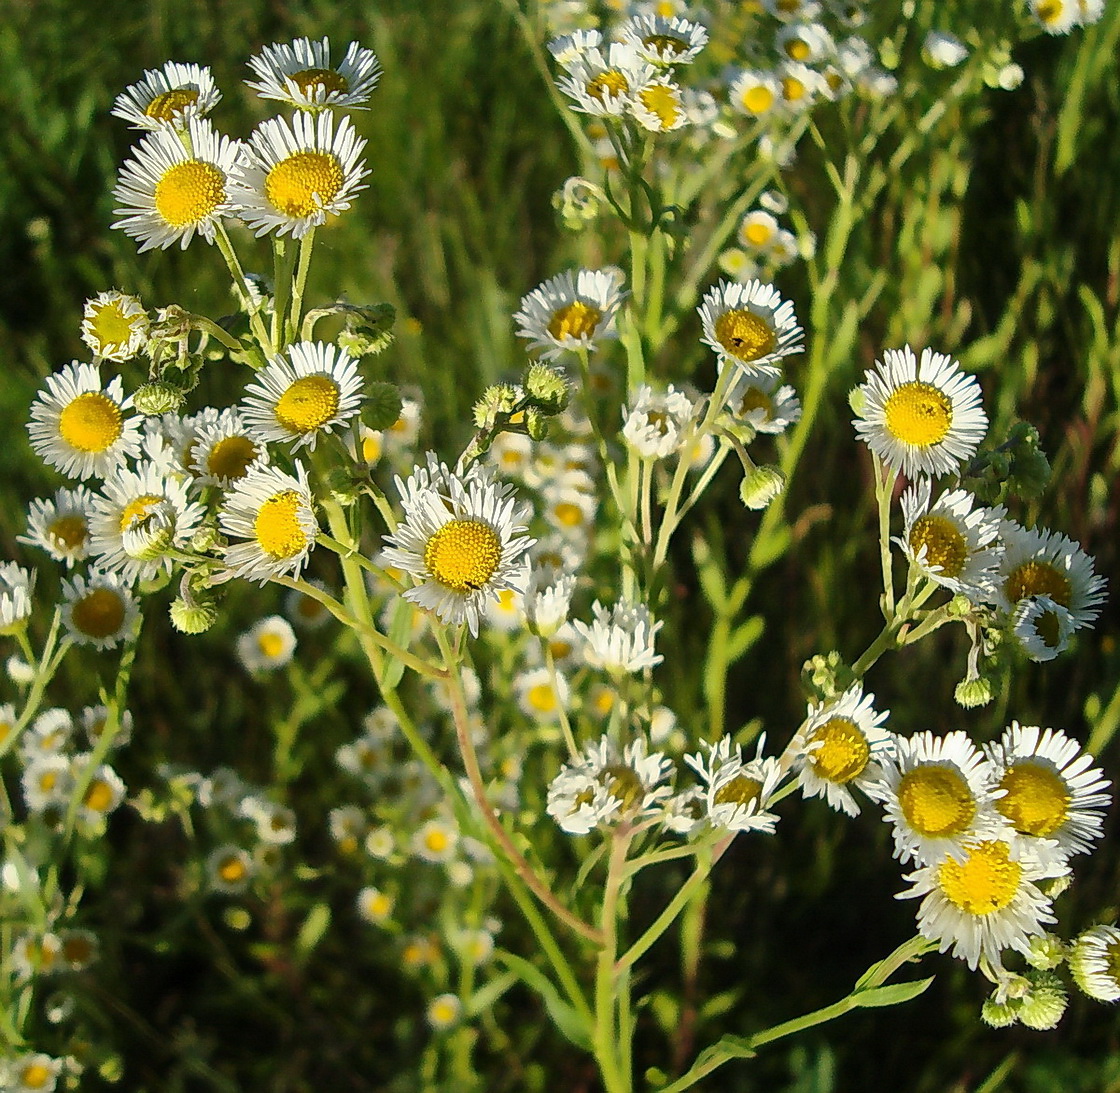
(890, 995)
(564, 1017)
(486, 996)
(400, 628)
(313, 928)
(726, 1047)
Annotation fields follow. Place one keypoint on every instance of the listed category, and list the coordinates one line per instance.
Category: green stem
(241, 287)
(306, 246)
(884, 491)
(608, 1049)
(283, 259)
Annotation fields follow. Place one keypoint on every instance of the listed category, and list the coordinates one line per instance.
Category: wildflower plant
(512, 602)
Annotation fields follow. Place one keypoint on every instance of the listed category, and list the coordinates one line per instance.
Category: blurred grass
(999, 236)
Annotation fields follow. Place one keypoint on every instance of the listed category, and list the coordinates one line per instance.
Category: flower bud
(761, 486)
(536, 424)
(971, 693)
(153, 399)
(1047, 951)
(547, 387)
(1044, 1005)
(193, 618)
(999, 1014)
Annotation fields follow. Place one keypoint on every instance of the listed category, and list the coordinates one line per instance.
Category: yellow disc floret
(664, 44)
(99, 613)
(745, 335)
(1037, 799)
(278, 529)
(985, 882)
(232, 870)
(99, 796)
(230, 457)
(311, 79)
(757, 99)
(68, 532)
(463, 555)
(919, 414)
(166, 105)
(841, 752)
(622, 783)
(35, 1076)
(757, 233)
(303, 183)
(308, 404)
(189, 192)
(92, 422)
(936, 801)
(607, 84)
(740, 790)
(1036, 578)
(944, 544)
(137, 511)
(574, 320)
(663, 102)
(110, 326)
(270, 644)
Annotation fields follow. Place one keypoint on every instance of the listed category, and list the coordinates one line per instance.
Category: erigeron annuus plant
(546, 544)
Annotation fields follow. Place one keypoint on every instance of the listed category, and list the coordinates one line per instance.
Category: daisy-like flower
(602, 787)
(840, 746)
(755, 93)
(80, 948)
(166, 193)
(229, 869)
(764, 404)
(665, 40)
(538, 698)
(804, 43)
(168, 97)
(102, 795)
(570, 311)
(138, 518)
(569, 508)
(302, 74)
(36, 954)
(273, 511)
(461, 538)
(1056, 16)
(1042, 627)
(938, 794)
(548, 601)
(1051, 790)
(444, 1011)
(950, 541)
(16, 587)
(98, 609)
(757, 230)
(79, 427)
(223, 452)
(94, 720)
(655, 424)
(312, 389)
(735, 795)
(50, 733)
(275, 823)
(304, 611)
(620, 640)
(60, 525)
(267, 645)
(1095, 963)
(983, 901)
(750, 326)
(435, 840)
(568, 47)
(375, 906)
(293, 176)
(603, 84)
(115, 326)
(1037, 562)
(658, 105)
(46, 782)
(36, 1073)
(920, 417)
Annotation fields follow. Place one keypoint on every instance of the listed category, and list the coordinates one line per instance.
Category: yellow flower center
(91, 422)
(745, 335)
(622, 783)
(311, 79)
(436, 840)
(189, 192)
(230, 457)
(308, 404)
(754, 398)
(574, 320)
(378, 905)
(303, 183)
(842, 752)
(463, 555)
(607, 84)
(919, 414)
(167, 104)
(372, 448)
(936, 801)
(270, 644)
(757, 233)
(740, 790)
(99, 796)
(1112, 960)
(68, 532)
(5, 730)
(985, 882)
(111, 327)
(662, 102)
(542, 698)
(1050, 11)
(278, 529)
(99, 613)
(664, 43)
(757, 99)
(35, 1075)
(1037, 799)
(136, 512)
(945, 545)
(797, 49)
(232, 869)
(48, 780)
(1035, 578)
(793, 90)
(568, 514)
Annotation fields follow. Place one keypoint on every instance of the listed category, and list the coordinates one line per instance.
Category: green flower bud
(205, 539)
(761, 486)
(1044, 1005)
(971, 693)
(999, 1014)
(194, 618)
(382, 407)
(536, 423)
(1047, 951)
(547, 387)
(959, 606)
(825, 676)
(153, 399)
(857, 401)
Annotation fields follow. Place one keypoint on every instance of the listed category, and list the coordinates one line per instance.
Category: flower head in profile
(168, 97)
(294, 175)
(920, 417)
(1095, 963)
(763, 403)
(570, 311)
(1042, 627)
(462, 540)
(302, 75)
(665, 40)
(115, 326)
(16, 586)
(167, 193)
(750, 327)
(620, 639)
(735, 793)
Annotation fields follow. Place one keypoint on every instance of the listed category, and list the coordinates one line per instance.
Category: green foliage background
(999, 240)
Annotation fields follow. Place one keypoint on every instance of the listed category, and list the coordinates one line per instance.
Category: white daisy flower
(167, 192)
(983, 901)
(49, 734)
(36, 954)
(35, 1073)
(568, 47)
(603, 84)
(168, 97)
(435, 840)
(229, 869)
(222, 452)
(461, 538)
(305, 612)
(79, 427)
(1038, 562)
(274, 512)
(1042, 627)
(757, 231)
(763, 403)
(840, 746)
(115, 326)
(95, 718)
(293, 176)
(444, 1011)
(570, 311)
(16, 586)
(1051, 790)
(655, 425)
(620, 640)
(950, 541)
(755, 92)
(658, 105)
(314, 388)
(80, 948)
(805, 43)
(1056, 16)
(46, 782)
(750, 326)
(172, 438)
(302, 75)
(736, 794)
(548, 601)
(937, 793)
(267, 645)
(98, 609)
(375, 906)
(538, 698)
(275, 823)
(569, 509)
(60, 525)
(920, 417)
(801, 86)
(104, 792)
(138, 518)
(505, 613)
(1095, 963)
(665, 40)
